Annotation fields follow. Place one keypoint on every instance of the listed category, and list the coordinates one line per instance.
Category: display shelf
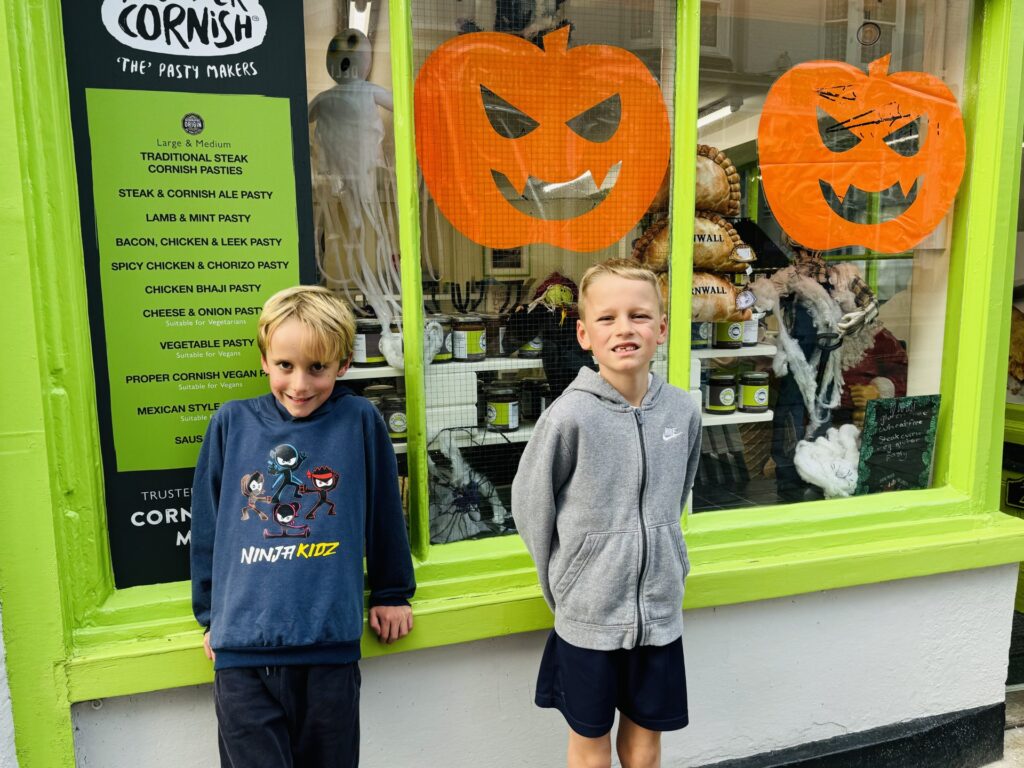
(439, 369)
(475, 437)
(490, 364)
(383, 372)
(761, 350)
(715, 420)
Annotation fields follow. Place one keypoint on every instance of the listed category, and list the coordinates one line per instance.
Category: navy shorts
(646, 683)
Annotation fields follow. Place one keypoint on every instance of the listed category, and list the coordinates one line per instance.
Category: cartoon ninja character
(284, 461)
(284, 515)
(252, 488)
(324, 480)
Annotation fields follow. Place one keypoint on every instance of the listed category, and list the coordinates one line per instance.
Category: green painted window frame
(70, 636)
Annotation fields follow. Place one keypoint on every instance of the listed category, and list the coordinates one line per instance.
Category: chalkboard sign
(897, 444)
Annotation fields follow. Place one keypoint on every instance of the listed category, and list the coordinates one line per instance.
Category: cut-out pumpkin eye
(834, 135)
(506, 120)
(600, 122)
(907, 139)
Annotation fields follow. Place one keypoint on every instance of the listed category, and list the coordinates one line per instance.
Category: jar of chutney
(366, 345)
(393, 409)
(444, 354)
(495, 325)
(754, 392)
(728, 335)
(700, 335)
(502, 408)
(532, 349)
(469, 338)
(720, 396)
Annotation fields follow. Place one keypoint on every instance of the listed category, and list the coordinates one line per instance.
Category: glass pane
(709, 25)
(849, 281)
(881, 10)
(881, 33)
(351, 133)
(1015, 378)
(836, 9)
(544, 149)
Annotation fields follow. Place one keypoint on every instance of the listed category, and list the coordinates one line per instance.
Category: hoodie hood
(593, 383)
(271, 410)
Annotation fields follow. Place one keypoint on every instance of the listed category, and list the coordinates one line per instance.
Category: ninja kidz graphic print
(324, 481)
(283, 464)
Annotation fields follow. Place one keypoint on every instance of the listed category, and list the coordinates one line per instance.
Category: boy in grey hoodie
(597, 499)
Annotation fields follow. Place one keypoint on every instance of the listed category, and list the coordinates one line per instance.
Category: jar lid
(468, 319)
(440, 318)
(502, 390)
(755, 377)
(367, 322)
(380, 390)
(722, 378)
(394, 401)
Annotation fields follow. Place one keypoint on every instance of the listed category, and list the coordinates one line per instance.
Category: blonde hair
(330, 322)
(630, 269)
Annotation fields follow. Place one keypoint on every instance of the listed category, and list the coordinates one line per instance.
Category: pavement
(1013, 740)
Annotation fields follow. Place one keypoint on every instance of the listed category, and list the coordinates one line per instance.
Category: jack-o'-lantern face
(830, 135)
(507, 131)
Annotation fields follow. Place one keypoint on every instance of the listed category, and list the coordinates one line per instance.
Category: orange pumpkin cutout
(499, 119)
(829, 134)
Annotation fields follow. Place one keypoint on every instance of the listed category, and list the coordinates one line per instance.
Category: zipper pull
(638, 412)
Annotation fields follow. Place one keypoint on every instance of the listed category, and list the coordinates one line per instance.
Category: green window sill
(145, 638)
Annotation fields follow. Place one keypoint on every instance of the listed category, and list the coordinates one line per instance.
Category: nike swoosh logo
(670, 434)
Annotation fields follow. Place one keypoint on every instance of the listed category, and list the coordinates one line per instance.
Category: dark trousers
(288, 717)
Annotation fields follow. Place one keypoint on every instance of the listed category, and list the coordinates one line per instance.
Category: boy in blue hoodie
(597, 499)
(280, 593)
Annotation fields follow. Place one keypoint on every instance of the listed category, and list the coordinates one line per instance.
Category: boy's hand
(206, 647)
(391, 622)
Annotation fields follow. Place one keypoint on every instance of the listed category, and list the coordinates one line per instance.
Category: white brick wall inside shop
(7, 756)
(762, 676)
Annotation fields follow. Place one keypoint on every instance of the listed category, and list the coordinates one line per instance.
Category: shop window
(850, 271)
(352, 156)
(1015, 378)
(551, 155)
(863, 30)
(715, 18)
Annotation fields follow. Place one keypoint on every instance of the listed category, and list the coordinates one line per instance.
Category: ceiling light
(711, 117)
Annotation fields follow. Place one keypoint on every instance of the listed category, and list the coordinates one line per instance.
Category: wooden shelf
(715, 420)
(761, 350)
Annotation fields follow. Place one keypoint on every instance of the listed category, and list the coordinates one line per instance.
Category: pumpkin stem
(557, 41)
(879, 67)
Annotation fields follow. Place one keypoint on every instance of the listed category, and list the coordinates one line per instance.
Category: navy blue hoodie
(281, 511)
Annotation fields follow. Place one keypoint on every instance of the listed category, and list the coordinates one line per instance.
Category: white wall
(7, 757)
(762, 676)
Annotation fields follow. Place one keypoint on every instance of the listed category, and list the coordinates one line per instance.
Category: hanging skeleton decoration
(357, 236)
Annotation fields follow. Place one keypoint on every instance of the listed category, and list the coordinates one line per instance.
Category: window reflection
(835, 329)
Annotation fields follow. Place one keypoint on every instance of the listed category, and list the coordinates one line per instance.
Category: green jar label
(445, 352)
(754, 395)
(397, 424)
(728, 331)
(470, 344)
(503, 415)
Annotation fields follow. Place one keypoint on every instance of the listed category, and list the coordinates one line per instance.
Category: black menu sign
(897, 444)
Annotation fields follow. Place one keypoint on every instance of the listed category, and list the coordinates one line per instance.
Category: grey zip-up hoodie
(597, 499)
